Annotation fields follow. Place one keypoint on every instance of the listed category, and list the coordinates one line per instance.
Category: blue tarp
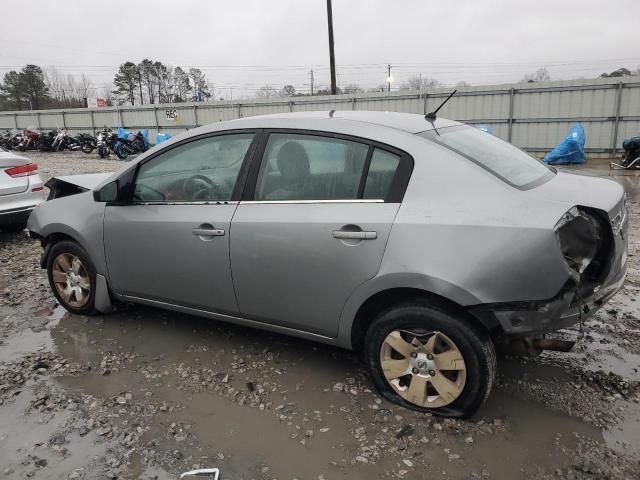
(122, 133)
(162, 137)
(570, 150)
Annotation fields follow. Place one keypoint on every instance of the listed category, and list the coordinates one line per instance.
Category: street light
(389, 78)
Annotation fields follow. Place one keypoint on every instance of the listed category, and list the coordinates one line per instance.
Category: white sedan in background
(21, 190)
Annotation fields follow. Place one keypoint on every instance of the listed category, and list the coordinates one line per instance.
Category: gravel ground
(143, 393)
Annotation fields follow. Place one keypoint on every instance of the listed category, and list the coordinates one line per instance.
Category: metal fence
(532, 116)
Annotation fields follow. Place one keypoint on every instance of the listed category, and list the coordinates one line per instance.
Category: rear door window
(310, 167)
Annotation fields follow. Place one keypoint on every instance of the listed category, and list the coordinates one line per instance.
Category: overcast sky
(243, 44)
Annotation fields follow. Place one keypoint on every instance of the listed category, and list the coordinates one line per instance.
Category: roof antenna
(431, 116)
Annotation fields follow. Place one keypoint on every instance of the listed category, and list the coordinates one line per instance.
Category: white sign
(172, 115)
(96, 102)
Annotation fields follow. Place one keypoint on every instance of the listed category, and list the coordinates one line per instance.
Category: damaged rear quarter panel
(463, 226)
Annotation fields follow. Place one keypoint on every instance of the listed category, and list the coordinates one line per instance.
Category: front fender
(78, 217)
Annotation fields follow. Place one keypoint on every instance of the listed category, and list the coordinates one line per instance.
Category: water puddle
(624, 436)
(28, 341)
(25, 439)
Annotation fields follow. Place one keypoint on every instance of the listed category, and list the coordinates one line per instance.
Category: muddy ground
(143, 393)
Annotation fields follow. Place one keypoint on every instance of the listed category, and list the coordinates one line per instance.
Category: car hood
(573, 189)
(66, 185)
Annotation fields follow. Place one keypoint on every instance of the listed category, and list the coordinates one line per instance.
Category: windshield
(511, 164)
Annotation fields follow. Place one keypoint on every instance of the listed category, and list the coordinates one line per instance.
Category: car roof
(406, 122)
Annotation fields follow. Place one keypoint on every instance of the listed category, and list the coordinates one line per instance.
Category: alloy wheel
(71, 279)
(424, 368)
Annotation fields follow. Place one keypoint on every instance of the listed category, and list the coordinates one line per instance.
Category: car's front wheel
(425, 356)
(72, 277)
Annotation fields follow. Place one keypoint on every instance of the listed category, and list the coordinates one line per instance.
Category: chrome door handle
(208, 232)
(351, 235)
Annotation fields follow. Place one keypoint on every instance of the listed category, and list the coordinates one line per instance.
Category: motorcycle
(105, 140)
(4, 138)
(64, 141)
(128, 144)
(45, 141)
(29, 140)
(11, 139)
(87, 142)
(631, 155)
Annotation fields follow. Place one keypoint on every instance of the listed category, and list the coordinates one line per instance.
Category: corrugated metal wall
(532, 116)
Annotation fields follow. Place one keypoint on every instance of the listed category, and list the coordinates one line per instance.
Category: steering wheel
(199, 187)
(159, 196)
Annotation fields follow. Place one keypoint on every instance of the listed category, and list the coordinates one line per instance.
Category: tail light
(22, 170)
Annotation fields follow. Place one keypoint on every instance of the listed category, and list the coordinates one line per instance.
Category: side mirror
(108, 193)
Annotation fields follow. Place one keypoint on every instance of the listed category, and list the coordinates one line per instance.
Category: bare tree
(84, 88)
(66, 90)
(418, 82)
(541, 75)
(182, 89)
(266, 91)
(148, 78)
(200, 85)
(166, 82)
(288, 91)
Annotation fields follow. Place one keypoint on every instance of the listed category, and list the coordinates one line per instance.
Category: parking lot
(143, 393)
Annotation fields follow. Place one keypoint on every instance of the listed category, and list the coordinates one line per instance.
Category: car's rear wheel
(72, 277)
(428, 357)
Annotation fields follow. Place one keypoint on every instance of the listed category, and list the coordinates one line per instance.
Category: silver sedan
(422, 243)
(21, 189)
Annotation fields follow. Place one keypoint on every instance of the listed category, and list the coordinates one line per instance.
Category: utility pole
(311, 73)
(332, 57)
(389, 78)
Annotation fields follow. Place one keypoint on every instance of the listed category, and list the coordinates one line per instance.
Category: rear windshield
(507, 162)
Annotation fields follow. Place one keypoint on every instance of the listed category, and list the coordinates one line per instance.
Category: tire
(121, 152)
(468, 384)
(84, 275)
(103, 152)
(87, 148)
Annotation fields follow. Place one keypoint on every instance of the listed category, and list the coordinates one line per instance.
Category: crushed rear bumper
(533, 318)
